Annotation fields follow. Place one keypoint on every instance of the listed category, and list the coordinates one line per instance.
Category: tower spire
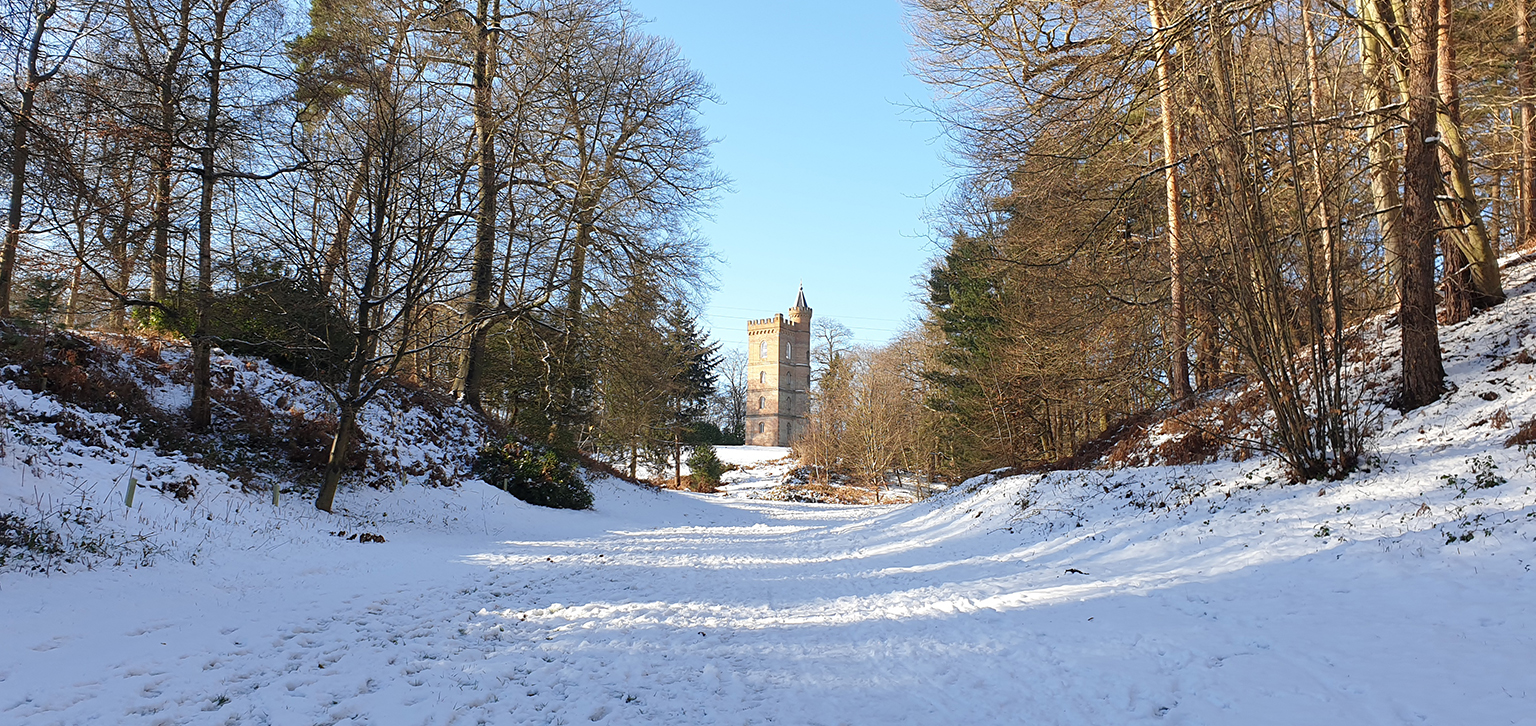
(800, 298)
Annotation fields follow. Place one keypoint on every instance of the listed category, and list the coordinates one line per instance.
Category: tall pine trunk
(1178, 323)
(1423, 370)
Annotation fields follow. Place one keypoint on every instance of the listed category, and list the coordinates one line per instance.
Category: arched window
(760, 402)
(788, 348)
(759, 427)
(762, 376)
(762, 349)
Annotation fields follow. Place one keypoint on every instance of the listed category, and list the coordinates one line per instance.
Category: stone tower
(779, 376)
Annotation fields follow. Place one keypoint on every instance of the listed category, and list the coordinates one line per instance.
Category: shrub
(72, 368)
(532, 473)
(271, 314)
(706, 467)
(19, 533)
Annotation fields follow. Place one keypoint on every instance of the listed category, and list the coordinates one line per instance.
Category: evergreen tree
(692, 360)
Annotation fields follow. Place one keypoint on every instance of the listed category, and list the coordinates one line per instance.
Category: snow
(1211, 594)
(760, 469)
(752, 455)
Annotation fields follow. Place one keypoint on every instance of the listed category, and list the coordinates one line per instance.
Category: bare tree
(40, 62)
(829, 339)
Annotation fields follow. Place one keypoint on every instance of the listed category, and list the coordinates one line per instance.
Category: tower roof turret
(800, 299)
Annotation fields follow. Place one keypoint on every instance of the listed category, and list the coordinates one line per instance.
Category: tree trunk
(584, 225)
(336, 462)
(1456, 291)
(1496, 219)
(160, 168)
(74, 295)
(1208, 351)
(19, 152)
(118, 319)
(338, 247)
(1525, 79)
(1380, 87)
(467, 383)
(1178, 324)
(1325, 217)
(201, 412)
(160, 162)
(1463, 211)
(1423, 371)
(21, 124)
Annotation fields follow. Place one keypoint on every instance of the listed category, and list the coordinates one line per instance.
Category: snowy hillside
(69, 455)
(1197, 594)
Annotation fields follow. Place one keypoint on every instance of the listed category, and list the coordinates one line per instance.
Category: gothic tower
(779, 376)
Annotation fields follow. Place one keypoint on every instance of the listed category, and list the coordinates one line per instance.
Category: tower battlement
(796, 319)
(779, 376)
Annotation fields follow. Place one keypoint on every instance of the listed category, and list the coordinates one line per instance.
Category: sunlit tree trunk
(1380, 85)
(1325, 216)
(1462, 211)
(1178, 324)
(1525, 79)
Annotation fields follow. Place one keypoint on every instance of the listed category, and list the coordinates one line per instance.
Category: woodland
(1163, 202)
(497, 200)
(493, 200)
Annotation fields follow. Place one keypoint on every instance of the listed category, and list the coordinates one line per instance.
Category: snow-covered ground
(1209, 594)
(665, 607)
(759, 469)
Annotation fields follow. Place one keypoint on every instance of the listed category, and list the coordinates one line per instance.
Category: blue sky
(831, 172)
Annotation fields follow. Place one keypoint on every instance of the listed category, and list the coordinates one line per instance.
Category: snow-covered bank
(664, 607)
(1201, 594)
(66, 465)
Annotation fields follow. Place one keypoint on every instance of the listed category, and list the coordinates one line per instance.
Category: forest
(500, 200)
(1164, 200)
(493, 199)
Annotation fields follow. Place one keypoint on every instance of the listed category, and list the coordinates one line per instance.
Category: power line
(834, 317)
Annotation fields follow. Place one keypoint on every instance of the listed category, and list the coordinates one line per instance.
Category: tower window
(762, 376)
(760, 402)
(762, 349)
(759, 427)
(788, 350)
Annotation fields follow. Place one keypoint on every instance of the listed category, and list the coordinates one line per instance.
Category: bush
(533, 473)
(19, 533)
(704, 432)
(706, 466)
(273, 315)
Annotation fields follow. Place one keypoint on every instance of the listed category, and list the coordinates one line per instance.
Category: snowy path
(677, 609)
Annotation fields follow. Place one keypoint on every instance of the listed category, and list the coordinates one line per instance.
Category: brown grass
(593, 464)
(1523, 436)
(821, 493)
